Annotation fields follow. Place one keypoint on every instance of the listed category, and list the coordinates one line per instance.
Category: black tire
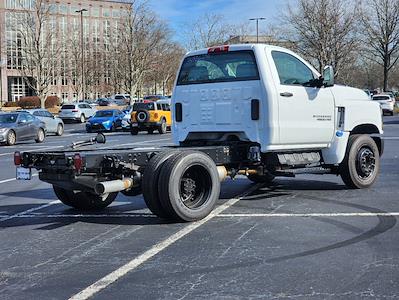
(150, 131)
(163, 127)
(150, 183)
(82, 118)
(11, 138)
(84, 200)
(134, 131)
(189, 186)
(266, 178)
(41, 136)
(361, 164)
(60, 130)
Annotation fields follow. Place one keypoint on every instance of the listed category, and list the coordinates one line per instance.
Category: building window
(106, 13)
(115, 13)
(19, 88)
(64, 96)
(13, 41)
(95, 12)
(63, 9)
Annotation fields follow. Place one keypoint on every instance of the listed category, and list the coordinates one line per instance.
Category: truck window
(291, 70)
(218, 67)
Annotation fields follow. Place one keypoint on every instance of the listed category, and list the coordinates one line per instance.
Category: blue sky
(180, 12)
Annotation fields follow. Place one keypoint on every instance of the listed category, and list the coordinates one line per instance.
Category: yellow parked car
(151, 116)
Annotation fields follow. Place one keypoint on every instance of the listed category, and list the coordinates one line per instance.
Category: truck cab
(268, 95)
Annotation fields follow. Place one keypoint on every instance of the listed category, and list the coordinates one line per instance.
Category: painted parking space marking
(274, 215)
(309, 215)
(29, 211)
(15, 179)
(154, 250)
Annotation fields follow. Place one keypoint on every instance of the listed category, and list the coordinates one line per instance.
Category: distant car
(387, 103)
(105, 102)
(20, 126)
(154, 98)
(76, 112)
(151, 116)
(126, 121)
(105, 120)
(53, 124)
(122, 98)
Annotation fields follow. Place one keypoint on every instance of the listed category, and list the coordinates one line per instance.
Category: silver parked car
(19, 126)
(76, 112)
(53, 123)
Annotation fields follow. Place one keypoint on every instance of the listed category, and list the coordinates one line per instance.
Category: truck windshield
(218, 67)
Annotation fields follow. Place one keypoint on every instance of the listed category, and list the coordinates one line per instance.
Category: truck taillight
(218, 49)
(156, 116)
(77, 162)
(17, 158)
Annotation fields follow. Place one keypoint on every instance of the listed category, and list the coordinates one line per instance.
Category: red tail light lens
(219, 49)
(77, 162)
(75, 110)
(17, 158)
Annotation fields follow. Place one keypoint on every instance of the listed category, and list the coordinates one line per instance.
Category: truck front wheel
(189, 186)
(84, 200)
(361, 164)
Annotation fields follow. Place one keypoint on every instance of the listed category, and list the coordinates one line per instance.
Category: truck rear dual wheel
(189, 186)
(361, 164)
(150, 183)
(84, 201)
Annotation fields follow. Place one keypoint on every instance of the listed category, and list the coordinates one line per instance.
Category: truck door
(306, 114)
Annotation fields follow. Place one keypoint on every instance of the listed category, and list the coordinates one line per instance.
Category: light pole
(81, 11)
(257, 27)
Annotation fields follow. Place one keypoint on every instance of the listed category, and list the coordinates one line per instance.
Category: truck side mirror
(328, 76)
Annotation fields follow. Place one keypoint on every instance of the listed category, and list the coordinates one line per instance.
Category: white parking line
(309, 215)
(29, 211)
(14, 179)
(134, 263)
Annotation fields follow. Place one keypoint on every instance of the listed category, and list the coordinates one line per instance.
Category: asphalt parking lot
(302, 238)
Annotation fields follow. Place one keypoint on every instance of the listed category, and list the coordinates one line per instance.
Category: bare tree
(207, 31)
(324, 31)
(380, 20)
(39, 47)
(138, 36)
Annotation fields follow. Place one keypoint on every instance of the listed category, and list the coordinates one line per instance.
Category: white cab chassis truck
(254, 110)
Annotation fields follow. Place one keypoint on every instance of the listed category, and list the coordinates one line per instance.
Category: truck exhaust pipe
(113, 186)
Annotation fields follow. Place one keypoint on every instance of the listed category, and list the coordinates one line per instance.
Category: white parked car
(387, 103)
(76, 112)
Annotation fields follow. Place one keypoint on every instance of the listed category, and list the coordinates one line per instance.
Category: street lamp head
(81, 10)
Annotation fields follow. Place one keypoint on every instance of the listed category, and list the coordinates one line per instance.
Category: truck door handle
(286, 94)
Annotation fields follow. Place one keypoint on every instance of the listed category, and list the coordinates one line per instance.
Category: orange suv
(150, 116)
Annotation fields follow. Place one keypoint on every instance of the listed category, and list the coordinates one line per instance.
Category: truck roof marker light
(17, 158)
(219, 49)
(78, 162)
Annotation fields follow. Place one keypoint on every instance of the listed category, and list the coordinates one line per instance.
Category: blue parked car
(105, 120)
